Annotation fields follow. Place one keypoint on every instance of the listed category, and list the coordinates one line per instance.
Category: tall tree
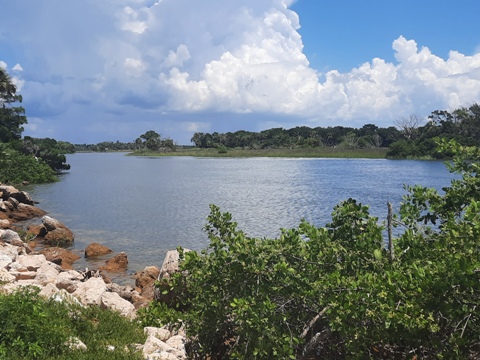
(12, 116)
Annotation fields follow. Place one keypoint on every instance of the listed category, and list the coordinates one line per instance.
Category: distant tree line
(407, 139)
(369, 136)
(150, 141)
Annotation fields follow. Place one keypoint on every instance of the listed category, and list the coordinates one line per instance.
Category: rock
(95, 249)
(75, 343)
(68, 280)
(60, 256)
(32, 262)
(10, 250)
(4, 224)
(57, 233)
(7, 190)
(90, 292)
(154, 345)
(22, 197)
(113, 301)
(177, 342)
(3, 207)
(5, 260)
(170, 266)
(37, 230)
(10, 236)
(145, 280)
(26, 212)
(118, 263)
(47, 274)
(6, 277)
(48, 290)
(160, 333)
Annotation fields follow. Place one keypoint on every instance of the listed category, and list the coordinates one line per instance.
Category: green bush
(335, 291)
(35, 328)
(16, 167)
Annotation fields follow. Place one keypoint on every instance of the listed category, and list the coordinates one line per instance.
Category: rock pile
(19, 269)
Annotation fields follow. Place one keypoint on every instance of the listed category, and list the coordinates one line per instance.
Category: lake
(146, 206)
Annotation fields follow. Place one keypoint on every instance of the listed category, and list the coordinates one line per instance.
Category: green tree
(12, 116)
(151, 140)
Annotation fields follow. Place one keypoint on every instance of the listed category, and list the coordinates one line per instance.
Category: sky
(92, 71)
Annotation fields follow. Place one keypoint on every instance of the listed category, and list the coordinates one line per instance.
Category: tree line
(407, 139)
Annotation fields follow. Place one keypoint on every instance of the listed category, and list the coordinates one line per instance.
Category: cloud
(201, 64)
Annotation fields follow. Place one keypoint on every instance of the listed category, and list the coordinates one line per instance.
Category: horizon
(93, 72)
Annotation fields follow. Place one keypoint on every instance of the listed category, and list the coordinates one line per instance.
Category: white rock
(6, 277)
(113, 301)
(75, 343)
(90, 292)
(160, 333)
(5, 260)
(9, 236)
(24, 275)
(47, 273)
(154, 345)
(69, 280)
(9, 250)
(16, 266)
(177, 342)
(32, 262)
(4, 223)
(48, 290)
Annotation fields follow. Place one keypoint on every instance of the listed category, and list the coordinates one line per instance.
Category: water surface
(146, 206)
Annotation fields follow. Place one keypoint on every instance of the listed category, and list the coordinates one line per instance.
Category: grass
(36, 328)
(376, 153)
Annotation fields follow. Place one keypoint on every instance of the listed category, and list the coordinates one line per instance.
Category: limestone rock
(118, 263)
(4, 224)
(160, 333)
(95, 249)
(90, 292)
(26, 212)
(5, 260)
(47, 274)
(113, 301)
(32, 262)
(60, 256)
(10, 236)
(57, 233)
(6, 277)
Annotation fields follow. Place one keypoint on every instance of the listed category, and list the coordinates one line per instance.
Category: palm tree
(7, 88)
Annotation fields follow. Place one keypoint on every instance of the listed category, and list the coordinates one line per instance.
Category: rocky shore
(50, 269)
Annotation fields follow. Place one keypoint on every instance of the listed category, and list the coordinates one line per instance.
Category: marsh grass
(376, 153)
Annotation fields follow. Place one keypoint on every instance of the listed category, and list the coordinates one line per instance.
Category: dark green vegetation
(338, 291)
(462, 125)
(36, 328)
(28, 159)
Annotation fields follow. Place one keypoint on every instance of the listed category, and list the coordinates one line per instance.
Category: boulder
(170, 266)
(90, 292)
(145, 280)
(22, 197)
(60, 256)
(32, 262)
(3, 207)
(160, 333)
(10, 236)
(4, 224)
(118, 263)
(95, 249)
(26, 212)
(69, 280)
(57, 233)
(113, 301)
(6, 277)
(47, 274)
(6, 191)
(5, 260)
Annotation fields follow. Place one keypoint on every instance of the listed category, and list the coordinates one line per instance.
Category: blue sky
(92, 71)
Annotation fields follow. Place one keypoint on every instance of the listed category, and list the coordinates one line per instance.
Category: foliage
(52, 152)
(16, 167)
(335, 291)
(369, 136)
(37, 328)
(462, 125)
(12, 116)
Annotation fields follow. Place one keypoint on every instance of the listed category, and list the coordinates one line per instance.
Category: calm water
(146, 206)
